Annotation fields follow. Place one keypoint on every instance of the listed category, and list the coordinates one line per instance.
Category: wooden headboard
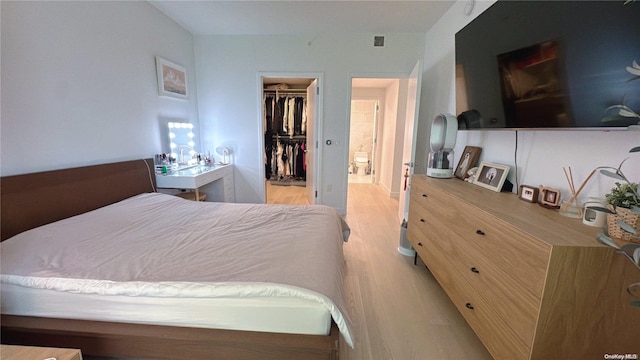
(30, 200)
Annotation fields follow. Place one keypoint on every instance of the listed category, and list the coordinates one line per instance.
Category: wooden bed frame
(31, 200)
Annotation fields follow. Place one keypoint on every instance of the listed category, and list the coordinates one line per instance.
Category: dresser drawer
(516, 254)
(498, 336)
(209, 176)
(506, 297)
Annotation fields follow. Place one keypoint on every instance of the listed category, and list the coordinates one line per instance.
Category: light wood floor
(288, 195)
(398, 309)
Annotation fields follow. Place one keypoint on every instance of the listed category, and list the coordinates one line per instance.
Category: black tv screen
(550, 64)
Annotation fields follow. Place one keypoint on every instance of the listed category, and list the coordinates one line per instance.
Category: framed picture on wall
(469, 158)
(172, 79)
(491, 176)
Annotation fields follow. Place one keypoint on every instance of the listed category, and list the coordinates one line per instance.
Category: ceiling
(303, 17)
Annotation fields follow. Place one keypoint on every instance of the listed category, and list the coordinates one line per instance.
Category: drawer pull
(479, 232)
(424, 195)
(419, 244)
(422, 220)
(469, 306)
(475, 270)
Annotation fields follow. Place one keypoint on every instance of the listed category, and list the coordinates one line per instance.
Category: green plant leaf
(635, 149)
(612, 174)
(633, 252)
(605, 240)
(635, 209)
(630, 248)
(634, 68)
(623, 110)
(635, 303)
(614, 118)
(626, 227)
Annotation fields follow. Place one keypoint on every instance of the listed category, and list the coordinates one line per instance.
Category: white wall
(229, 104)
(79, 82)
(541, 154)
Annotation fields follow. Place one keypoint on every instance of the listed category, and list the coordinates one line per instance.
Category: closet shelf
(296, 92)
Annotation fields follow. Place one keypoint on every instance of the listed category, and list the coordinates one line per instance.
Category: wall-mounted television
(549, 65)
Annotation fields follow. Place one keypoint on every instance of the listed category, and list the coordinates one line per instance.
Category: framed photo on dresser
(469, 159)
(528, 193)
(491, 176)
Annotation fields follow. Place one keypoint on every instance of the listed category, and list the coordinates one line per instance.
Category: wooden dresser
(531, 283)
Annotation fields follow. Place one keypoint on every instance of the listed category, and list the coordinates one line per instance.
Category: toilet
(361, 159)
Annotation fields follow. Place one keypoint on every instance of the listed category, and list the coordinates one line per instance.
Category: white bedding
(156, 246)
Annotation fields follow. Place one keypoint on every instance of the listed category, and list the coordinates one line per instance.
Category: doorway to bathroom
(376, 126)
(362, 140)
(385, 159)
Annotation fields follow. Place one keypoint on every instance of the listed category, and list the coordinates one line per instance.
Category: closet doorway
(289, 113)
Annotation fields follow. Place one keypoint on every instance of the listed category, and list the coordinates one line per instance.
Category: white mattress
(160, 259)
(281, 315)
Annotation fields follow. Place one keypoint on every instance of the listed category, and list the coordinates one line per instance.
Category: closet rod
(289, 137)
(288, 92)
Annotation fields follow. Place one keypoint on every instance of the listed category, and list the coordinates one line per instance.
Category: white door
(410, 134)
(312, 141)
(374, 146)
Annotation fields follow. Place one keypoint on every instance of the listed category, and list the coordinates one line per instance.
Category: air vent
(378, 41)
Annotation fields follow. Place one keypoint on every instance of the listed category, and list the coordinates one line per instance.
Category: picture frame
(468, 160)
(549, 198)
(172, 79)
(491, 176)
(528, 193)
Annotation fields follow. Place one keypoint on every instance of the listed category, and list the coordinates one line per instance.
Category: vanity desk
(212, 182)
(531, 283)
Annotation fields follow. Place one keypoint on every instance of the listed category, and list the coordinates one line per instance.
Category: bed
(92, 258)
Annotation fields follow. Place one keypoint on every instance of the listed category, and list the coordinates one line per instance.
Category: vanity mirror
(182, 142)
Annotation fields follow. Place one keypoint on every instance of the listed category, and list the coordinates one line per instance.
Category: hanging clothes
(285, 118)
(298, 111)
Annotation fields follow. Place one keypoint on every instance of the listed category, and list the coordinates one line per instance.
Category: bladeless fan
(443, 138)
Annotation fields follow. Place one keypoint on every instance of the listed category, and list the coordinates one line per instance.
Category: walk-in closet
(285, 138)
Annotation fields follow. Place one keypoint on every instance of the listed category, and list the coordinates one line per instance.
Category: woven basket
(627, 216)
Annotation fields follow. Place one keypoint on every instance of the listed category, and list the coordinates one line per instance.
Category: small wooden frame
(468, 160)
(528, 193)
(549, 198)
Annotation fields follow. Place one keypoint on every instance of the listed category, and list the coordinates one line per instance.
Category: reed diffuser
(571, 207)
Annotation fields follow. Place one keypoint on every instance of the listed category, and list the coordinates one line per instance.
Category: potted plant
(623, 219)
